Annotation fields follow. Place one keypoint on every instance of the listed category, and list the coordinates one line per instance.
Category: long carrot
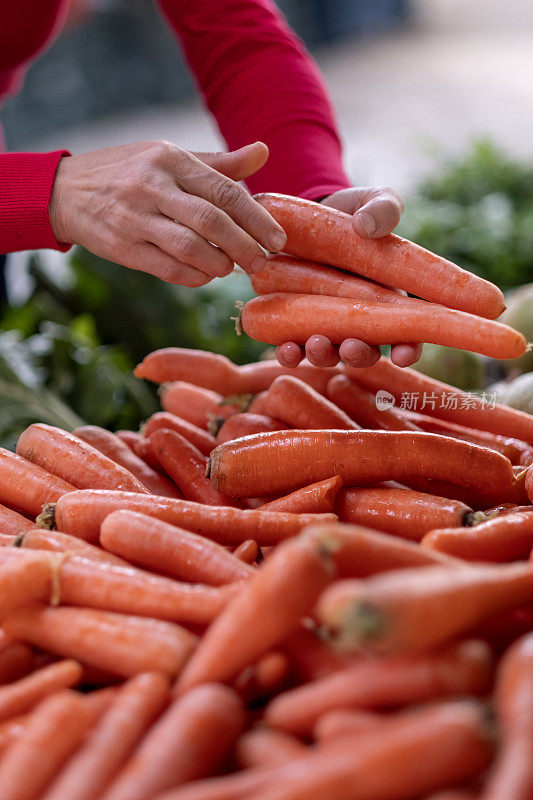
(191, 740)
(275, 463)
(385, 683)
(90, 771)
(197, 436)
(247, 551)
(294, 402)
(23, 580)
(403, 512)
(71, 459)
(512, 777)
(129, 438)
(269, 607)
(361, 406)
(344, 722)
(53, 733)
(13, 523)
(412, 610)
(317, 232)
(311, 657)
(24, 694)
(16, 660)
(121, 643)
(505, 538)
(25, 486)
(165, 548)
(317, 498)
(56, 542)
(264, 747)
(281, 317)
(413, 390)
(186, 465)
(239, 425)
(143, 448)
(84, 514)
(529, 484)
(114, 448)
(194, 403)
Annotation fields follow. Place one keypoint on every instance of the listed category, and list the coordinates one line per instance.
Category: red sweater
(255, 76)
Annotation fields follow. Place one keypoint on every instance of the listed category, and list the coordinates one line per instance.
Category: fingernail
(368, 222)
(257, 264)
(276, 240)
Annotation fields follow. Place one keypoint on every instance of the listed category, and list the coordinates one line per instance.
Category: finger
(379, 216)
(147, 257)
(403, 355)
(237, 164)
(321, 352)
(289, 354)
(188, 247)
(359, 354)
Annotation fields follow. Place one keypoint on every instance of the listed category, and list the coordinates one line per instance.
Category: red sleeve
(260, 83)
(25, 188)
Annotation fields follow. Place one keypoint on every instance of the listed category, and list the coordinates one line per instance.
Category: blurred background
(433, 97)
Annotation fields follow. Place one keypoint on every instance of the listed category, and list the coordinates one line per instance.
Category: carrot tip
(470, 518)
(215, 423)
(239, 305)
(361, 622)
(208, 469)
(47, 517)
(18, 540)
(241, 400)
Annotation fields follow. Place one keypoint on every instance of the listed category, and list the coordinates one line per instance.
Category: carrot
(25, 580)
(53, 733)
(425, 394)
(143, 448)
(342, 722)
(11, 730)
(402, 512)
(194, 403)
(247, 551)
(165, 548)
(257, 377)
(114, 448)
(16, 660)
(85, 513)
(512, 777)
(191, 740)
(24, 694)
(317, 498)
(56, 542)
(71, 459)
(294, 402)
(121, 643)
(13, 523)
(311, 657)
(528, 485)
(382, 684)
(271, 672)
(195, 435)
(477, 498)
(25, 486)
(269, 607)
(281, 317)
(324, 234)
(239, 425)
(505, 538)
(361, 406)
(284, 273)
(453, 794)
(90, 771)
(186, 465)
(263, 747)
(274, 463)
(129, 438)
(412, 610)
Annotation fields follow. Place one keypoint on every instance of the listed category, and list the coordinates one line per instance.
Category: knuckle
(210, 219)
(161, 151)
(186, 242)
(226, 193)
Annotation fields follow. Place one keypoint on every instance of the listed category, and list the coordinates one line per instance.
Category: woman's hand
(375, 212)
(157, 208)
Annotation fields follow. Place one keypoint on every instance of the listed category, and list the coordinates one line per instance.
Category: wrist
(59, 202)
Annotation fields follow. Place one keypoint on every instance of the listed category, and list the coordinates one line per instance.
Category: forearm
(260, 83)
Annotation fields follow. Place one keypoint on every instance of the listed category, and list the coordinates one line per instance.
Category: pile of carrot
(272, 591)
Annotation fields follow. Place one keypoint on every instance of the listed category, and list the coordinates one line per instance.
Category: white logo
(384, 400)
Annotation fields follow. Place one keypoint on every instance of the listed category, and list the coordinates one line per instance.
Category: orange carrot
(195, 435)
(360, 405)
(129, 438)
(257, 377)
(441, 400)
(25, 486)
(274, 463)
(73, 460)
(528, 485)
(505, 538)
(56, 542)
(269, 607)
(191, 740)
(412, 610)
(294, 402)
(120, 643)
(239, 425)
(13, 523)
(317, 498)
(247, 551)
(53, 733)
(165, 548)
(186, 465)
(16, 660)
(264, 747)
(311, 657)
(85, 513)
(23, 580)
(271, 672)
(324, 234)
(114, 448)
(281, 317)
(343, 722)
(90, 771)
(402, 512)
(24, 694)
(143, 448)
(385, 683)
(194, 403)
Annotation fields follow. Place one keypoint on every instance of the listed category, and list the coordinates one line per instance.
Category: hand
(375, 212)
(154, 207)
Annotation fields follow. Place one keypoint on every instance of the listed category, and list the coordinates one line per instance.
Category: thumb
(237, 164)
